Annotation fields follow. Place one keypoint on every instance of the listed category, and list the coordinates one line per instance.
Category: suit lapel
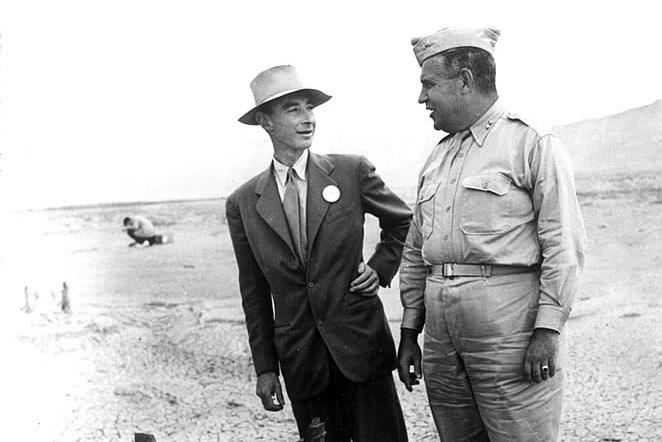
(270, 208)
(319, 169)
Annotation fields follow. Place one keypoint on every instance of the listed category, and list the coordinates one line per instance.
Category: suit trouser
(476, 334)
(362, 412)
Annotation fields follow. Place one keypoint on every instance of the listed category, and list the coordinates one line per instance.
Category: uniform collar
(299, 167)
(486, 122)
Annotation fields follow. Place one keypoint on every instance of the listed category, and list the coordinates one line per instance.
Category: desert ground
(155, 341)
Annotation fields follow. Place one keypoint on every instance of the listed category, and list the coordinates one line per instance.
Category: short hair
(127, 220)
(266, 108)
(478, 61)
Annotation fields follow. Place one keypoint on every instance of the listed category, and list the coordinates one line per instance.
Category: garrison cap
(449, 38)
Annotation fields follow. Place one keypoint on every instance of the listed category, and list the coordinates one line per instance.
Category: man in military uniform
(492, 260)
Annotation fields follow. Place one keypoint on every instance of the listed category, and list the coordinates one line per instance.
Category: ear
(467, 79)
(264, 120)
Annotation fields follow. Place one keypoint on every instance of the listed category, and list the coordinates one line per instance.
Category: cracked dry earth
(179, 371)
(156, 341)
(183, 373)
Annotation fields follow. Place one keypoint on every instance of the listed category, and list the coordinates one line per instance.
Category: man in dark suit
(297, 232)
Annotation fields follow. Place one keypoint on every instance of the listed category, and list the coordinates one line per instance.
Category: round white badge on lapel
(331, 194)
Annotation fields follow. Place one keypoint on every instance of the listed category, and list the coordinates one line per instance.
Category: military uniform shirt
(500, 192)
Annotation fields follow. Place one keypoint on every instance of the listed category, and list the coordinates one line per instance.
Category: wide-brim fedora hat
(277, 82)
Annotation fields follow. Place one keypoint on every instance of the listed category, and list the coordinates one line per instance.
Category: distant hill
(627, 142)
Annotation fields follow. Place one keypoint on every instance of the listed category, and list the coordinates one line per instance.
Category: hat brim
(317, 98)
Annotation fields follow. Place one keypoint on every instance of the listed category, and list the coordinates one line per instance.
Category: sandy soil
(156, 341)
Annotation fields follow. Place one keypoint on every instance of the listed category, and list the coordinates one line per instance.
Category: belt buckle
(447, 270)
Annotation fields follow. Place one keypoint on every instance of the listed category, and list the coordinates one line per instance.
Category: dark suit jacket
(312, 307)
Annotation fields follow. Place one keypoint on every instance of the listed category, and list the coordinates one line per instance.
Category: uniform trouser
(476, 334)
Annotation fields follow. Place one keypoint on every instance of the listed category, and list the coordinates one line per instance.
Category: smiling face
(290, 122)
(442, 94)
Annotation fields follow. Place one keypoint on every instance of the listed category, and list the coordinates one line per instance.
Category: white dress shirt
(280, 173)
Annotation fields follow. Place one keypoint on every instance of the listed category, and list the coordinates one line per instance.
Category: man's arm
(269, 391)
(412, 289)
(562, 243)
(394, 218)
(255, 296)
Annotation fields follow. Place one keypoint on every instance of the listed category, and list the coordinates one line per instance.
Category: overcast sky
(139, 100)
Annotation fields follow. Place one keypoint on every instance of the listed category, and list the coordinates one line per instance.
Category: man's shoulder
(142, 220)
(247, 188)
(342, 162)
(343, 159)
(527, 122)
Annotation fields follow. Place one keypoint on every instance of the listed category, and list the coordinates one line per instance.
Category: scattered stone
(161, 304)
(631, 315)
(65, 303)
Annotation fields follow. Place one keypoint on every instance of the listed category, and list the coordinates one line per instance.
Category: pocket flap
(497, 184)
(427, 191)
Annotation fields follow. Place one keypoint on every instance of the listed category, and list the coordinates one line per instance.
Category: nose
(423, 96)
(309, 116)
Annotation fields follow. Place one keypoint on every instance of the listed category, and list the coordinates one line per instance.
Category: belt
(448, 270)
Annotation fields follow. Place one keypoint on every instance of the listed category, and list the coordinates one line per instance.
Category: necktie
(295, 219)
(461, 138)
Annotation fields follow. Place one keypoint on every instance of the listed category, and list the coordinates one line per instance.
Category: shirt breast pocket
(486, 204)
(425, 208)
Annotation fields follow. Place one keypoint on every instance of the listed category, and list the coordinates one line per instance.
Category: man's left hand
(539, 362)
(367, 283)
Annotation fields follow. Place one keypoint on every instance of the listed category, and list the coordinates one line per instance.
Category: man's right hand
(409, 354)
(268, 388)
